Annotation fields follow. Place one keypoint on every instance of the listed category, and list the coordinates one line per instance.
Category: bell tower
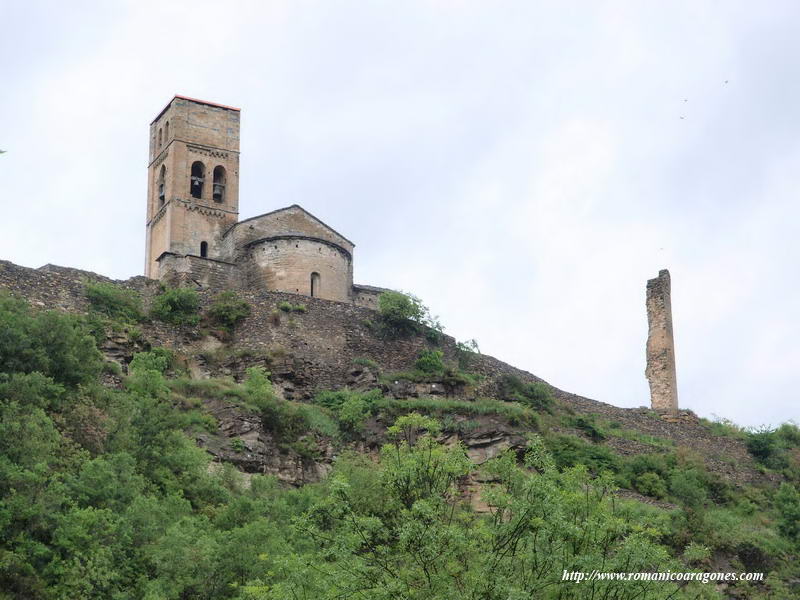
(192, 180)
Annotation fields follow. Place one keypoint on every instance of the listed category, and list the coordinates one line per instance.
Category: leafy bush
(696, 553)
(178, 306)
(688, 486)
(430, 362)
(228, 310)
(650, 484)
(466, 352)
(368, 363)
(569, 451)
(587, 424)
(237, 445)
(157, 359)
(723, 427)
(114, 301)
(350, 408)
(405, 314)
(537, 395)
(787, 502)
(57, 345)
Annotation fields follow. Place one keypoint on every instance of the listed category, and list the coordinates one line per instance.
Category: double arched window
(162, 178)
(197, 179)
(219, 184)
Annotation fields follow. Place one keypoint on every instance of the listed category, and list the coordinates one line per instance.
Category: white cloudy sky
(524, 167)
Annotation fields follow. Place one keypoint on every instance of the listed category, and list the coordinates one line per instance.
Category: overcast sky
(523, 167)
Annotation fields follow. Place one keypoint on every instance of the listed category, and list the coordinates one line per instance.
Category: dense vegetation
(104, 494)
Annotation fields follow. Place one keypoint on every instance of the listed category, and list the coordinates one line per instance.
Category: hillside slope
(337, 383)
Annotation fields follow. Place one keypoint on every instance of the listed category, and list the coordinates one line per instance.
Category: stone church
(194, 235)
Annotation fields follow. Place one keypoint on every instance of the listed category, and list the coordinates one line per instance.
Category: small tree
(405, 314)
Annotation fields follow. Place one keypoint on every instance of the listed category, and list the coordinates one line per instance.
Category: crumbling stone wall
(660, 371)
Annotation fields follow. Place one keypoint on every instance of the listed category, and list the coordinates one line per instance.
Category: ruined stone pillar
(660, 371)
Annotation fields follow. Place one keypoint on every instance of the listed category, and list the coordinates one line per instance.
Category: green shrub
(723, 427)
(366, 362)
(320, 421)
(688, 486)
(466, 352)
(178, 306)
(787, 502)
(650, 484)
(350, 408)
(696, 553)
(537, 395)
(404, 314)
(289, 307)
(569, 451)
(228, 310)
(237, 445)
(114, 301)
(398, 309)
(430, 362)
(57, 345)
(789, 435)
(157, 359)
(306, 447)
(587, 424)
(112, 368)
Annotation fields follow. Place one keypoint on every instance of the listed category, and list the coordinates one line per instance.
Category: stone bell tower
(192, 180)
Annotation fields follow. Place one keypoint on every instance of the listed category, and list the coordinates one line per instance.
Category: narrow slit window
(204, 249)
(315, 280)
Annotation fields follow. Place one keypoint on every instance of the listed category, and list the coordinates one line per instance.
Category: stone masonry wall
(285, 264)
(660, 371)
(196, 271)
